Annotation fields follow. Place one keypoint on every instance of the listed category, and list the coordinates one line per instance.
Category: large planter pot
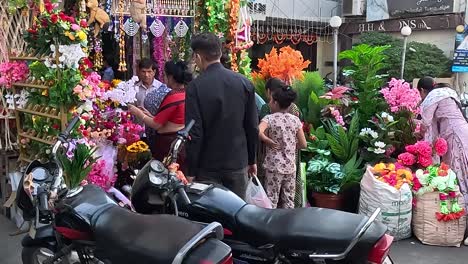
(328, 200)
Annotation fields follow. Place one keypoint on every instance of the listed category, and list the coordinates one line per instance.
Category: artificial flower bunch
(55, 24)
(90, 88)
(286, 65)
(394, 174)
(138, 147)
(11, 72)
(400, 96)
(421, 153)
(100, 176)
(442, 179)
(123, 94)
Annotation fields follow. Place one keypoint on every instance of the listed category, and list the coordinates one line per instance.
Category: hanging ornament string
(97, 54)
(217, 17)
(122, 63)
(158, 55)
(233, 21)
(157, 28)
(131, 27)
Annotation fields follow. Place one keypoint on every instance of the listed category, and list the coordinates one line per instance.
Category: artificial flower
(425, 161)
(407, 159)
(335, 93)
(441, 146)
(400, 96)
(368, 131)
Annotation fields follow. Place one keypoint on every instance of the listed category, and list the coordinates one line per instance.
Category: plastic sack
(396, 205)
(256, 195)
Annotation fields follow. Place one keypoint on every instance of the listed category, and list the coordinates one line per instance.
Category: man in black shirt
(224, 138)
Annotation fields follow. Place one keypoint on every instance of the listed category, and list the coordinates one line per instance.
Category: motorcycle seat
(305, 229)
(127, 237)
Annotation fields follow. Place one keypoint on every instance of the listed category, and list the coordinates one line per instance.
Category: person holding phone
(170, 117)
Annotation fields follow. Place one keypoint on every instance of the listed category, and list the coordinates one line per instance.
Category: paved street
(403, 252)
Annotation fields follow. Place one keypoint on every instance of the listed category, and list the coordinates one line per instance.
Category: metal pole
(335, 57)
(403, 56)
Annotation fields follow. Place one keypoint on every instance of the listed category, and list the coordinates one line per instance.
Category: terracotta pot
(329, 200)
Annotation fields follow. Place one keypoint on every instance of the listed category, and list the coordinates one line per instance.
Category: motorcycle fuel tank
(211, 203)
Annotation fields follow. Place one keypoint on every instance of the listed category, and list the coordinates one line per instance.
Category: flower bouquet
(77, 163)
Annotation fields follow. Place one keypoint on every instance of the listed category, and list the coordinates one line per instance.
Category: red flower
(83, 23)
(441, 146)
(54, 18)
(44, 23)
(416, 184)
(32, 31)
(407, 159)
(63, 17)
(56, 126)
(48, 6)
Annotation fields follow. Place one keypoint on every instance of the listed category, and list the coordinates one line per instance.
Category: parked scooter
(258, 235)
(86, 226)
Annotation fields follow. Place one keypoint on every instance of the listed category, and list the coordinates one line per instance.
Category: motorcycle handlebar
(71, 125)
(185, 132)
(43, 203)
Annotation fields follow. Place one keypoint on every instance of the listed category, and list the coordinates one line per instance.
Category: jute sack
(429, 230)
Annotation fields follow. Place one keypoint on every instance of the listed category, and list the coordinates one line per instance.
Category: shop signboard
(460, 55)
(387, 9)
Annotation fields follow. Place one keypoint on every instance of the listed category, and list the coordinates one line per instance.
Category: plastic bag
(396, 205)
(256, 195)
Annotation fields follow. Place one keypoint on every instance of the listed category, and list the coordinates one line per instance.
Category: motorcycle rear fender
(44, 238)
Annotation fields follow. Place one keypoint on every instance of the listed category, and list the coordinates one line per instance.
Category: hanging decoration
(157, 28)
(181, 29)
(158, 56)
(233, 21)
(243, 36)
(97, 16)
(217, 17)
(97, 54)
(131, 27)
(261, 33)
(122, 63)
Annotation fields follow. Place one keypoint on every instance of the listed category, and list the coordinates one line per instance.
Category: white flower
(386, 116)
(374, 134)
(379, 144)
(379, 151)
(367, 131)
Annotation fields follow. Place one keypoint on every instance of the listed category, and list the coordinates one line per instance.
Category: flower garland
(158, 55)
(394, 174)
(233, 21)
(217, 16)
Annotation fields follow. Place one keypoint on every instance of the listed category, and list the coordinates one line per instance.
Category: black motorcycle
(258, 235)
(85, 225)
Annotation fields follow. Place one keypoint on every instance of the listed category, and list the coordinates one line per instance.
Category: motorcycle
(85, 225)
(258, 235)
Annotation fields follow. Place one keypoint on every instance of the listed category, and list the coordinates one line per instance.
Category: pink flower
(75, 27)
(424, 148)
(425, 161)
(407, 159)
(400, 96)
(411, 149)
(441, 146)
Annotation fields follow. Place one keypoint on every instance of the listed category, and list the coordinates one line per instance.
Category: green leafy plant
(309, 90)
(77, 167)
(343, 144)
(259, 84)
(325, 176)
(368, 62)
(422, 59)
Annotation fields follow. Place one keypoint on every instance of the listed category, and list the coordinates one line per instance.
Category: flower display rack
(36, 110)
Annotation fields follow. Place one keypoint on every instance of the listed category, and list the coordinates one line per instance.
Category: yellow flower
(45, 92)
(81, 35)
(115, 82)
(69, 35)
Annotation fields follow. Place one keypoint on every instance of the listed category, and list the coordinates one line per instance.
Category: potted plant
(335, 167)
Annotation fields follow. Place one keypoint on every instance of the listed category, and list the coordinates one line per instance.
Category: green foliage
(244, 65)
(259, 84)
(77, 168)
(343, 144)
(422, 59)
(367, 65)
(309, 90)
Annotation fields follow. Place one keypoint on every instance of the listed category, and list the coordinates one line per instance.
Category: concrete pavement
(403, 252)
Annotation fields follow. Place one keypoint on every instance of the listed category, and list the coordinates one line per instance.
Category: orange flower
(286, 65)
